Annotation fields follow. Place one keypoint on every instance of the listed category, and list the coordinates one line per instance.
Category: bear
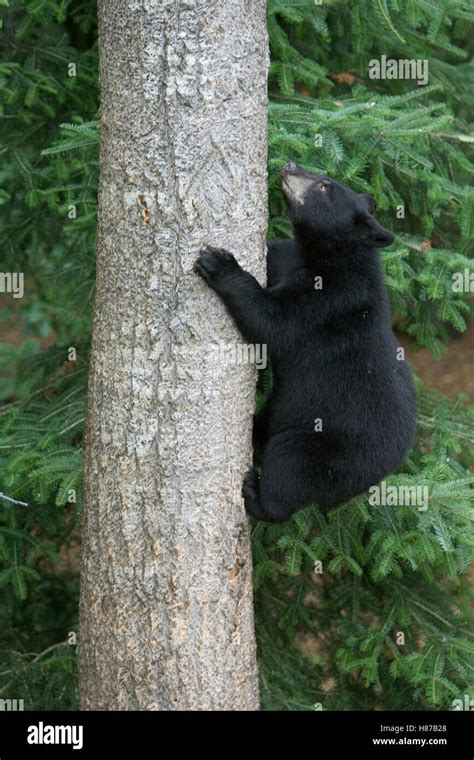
(341, 414)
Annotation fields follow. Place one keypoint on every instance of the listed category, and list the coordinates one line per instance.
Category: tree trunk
(166, 619)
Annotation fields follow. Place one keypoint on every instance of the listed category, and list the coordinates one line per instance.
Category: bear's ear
(371, 202)
(372, 232)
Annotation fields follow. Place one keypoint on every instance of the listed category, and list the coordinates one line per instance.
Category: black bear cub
(341, 413)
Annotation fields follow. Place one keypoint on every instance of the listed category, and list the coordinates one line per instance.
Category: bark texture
(166, 619)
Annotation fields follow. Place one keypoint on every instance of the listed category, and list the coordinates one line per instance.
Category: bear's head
(330, 213)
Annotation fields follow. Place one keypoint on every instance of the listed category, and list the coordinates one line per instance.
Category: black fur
(333, 352)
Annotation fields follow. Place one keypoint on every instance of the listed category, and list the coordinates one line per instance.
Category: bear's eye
(323, 186)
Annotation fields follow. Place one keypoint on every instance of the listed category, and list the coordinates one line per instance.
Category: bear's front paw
(213, 263)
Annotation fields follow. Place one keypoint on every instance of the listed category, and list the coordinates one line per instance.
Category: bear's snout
(289, 168)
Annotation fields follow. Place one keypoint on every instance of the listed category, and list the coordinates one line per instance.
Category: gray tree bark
(166, 619)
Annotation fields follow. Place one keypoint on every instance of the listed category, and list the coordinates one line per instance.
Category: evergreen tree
(367, 608)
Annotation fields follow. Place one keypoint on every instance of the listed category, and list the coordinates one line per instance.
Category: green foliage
(408, 146)
(327, 640)
(385, 622)
(385, 570)
(32, 668)
(40, 233)
(47, 231)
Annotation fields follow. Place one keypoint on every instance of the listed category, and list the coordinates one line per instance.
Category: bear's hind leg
(300, 469)
(251, 494)
(288, 479)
